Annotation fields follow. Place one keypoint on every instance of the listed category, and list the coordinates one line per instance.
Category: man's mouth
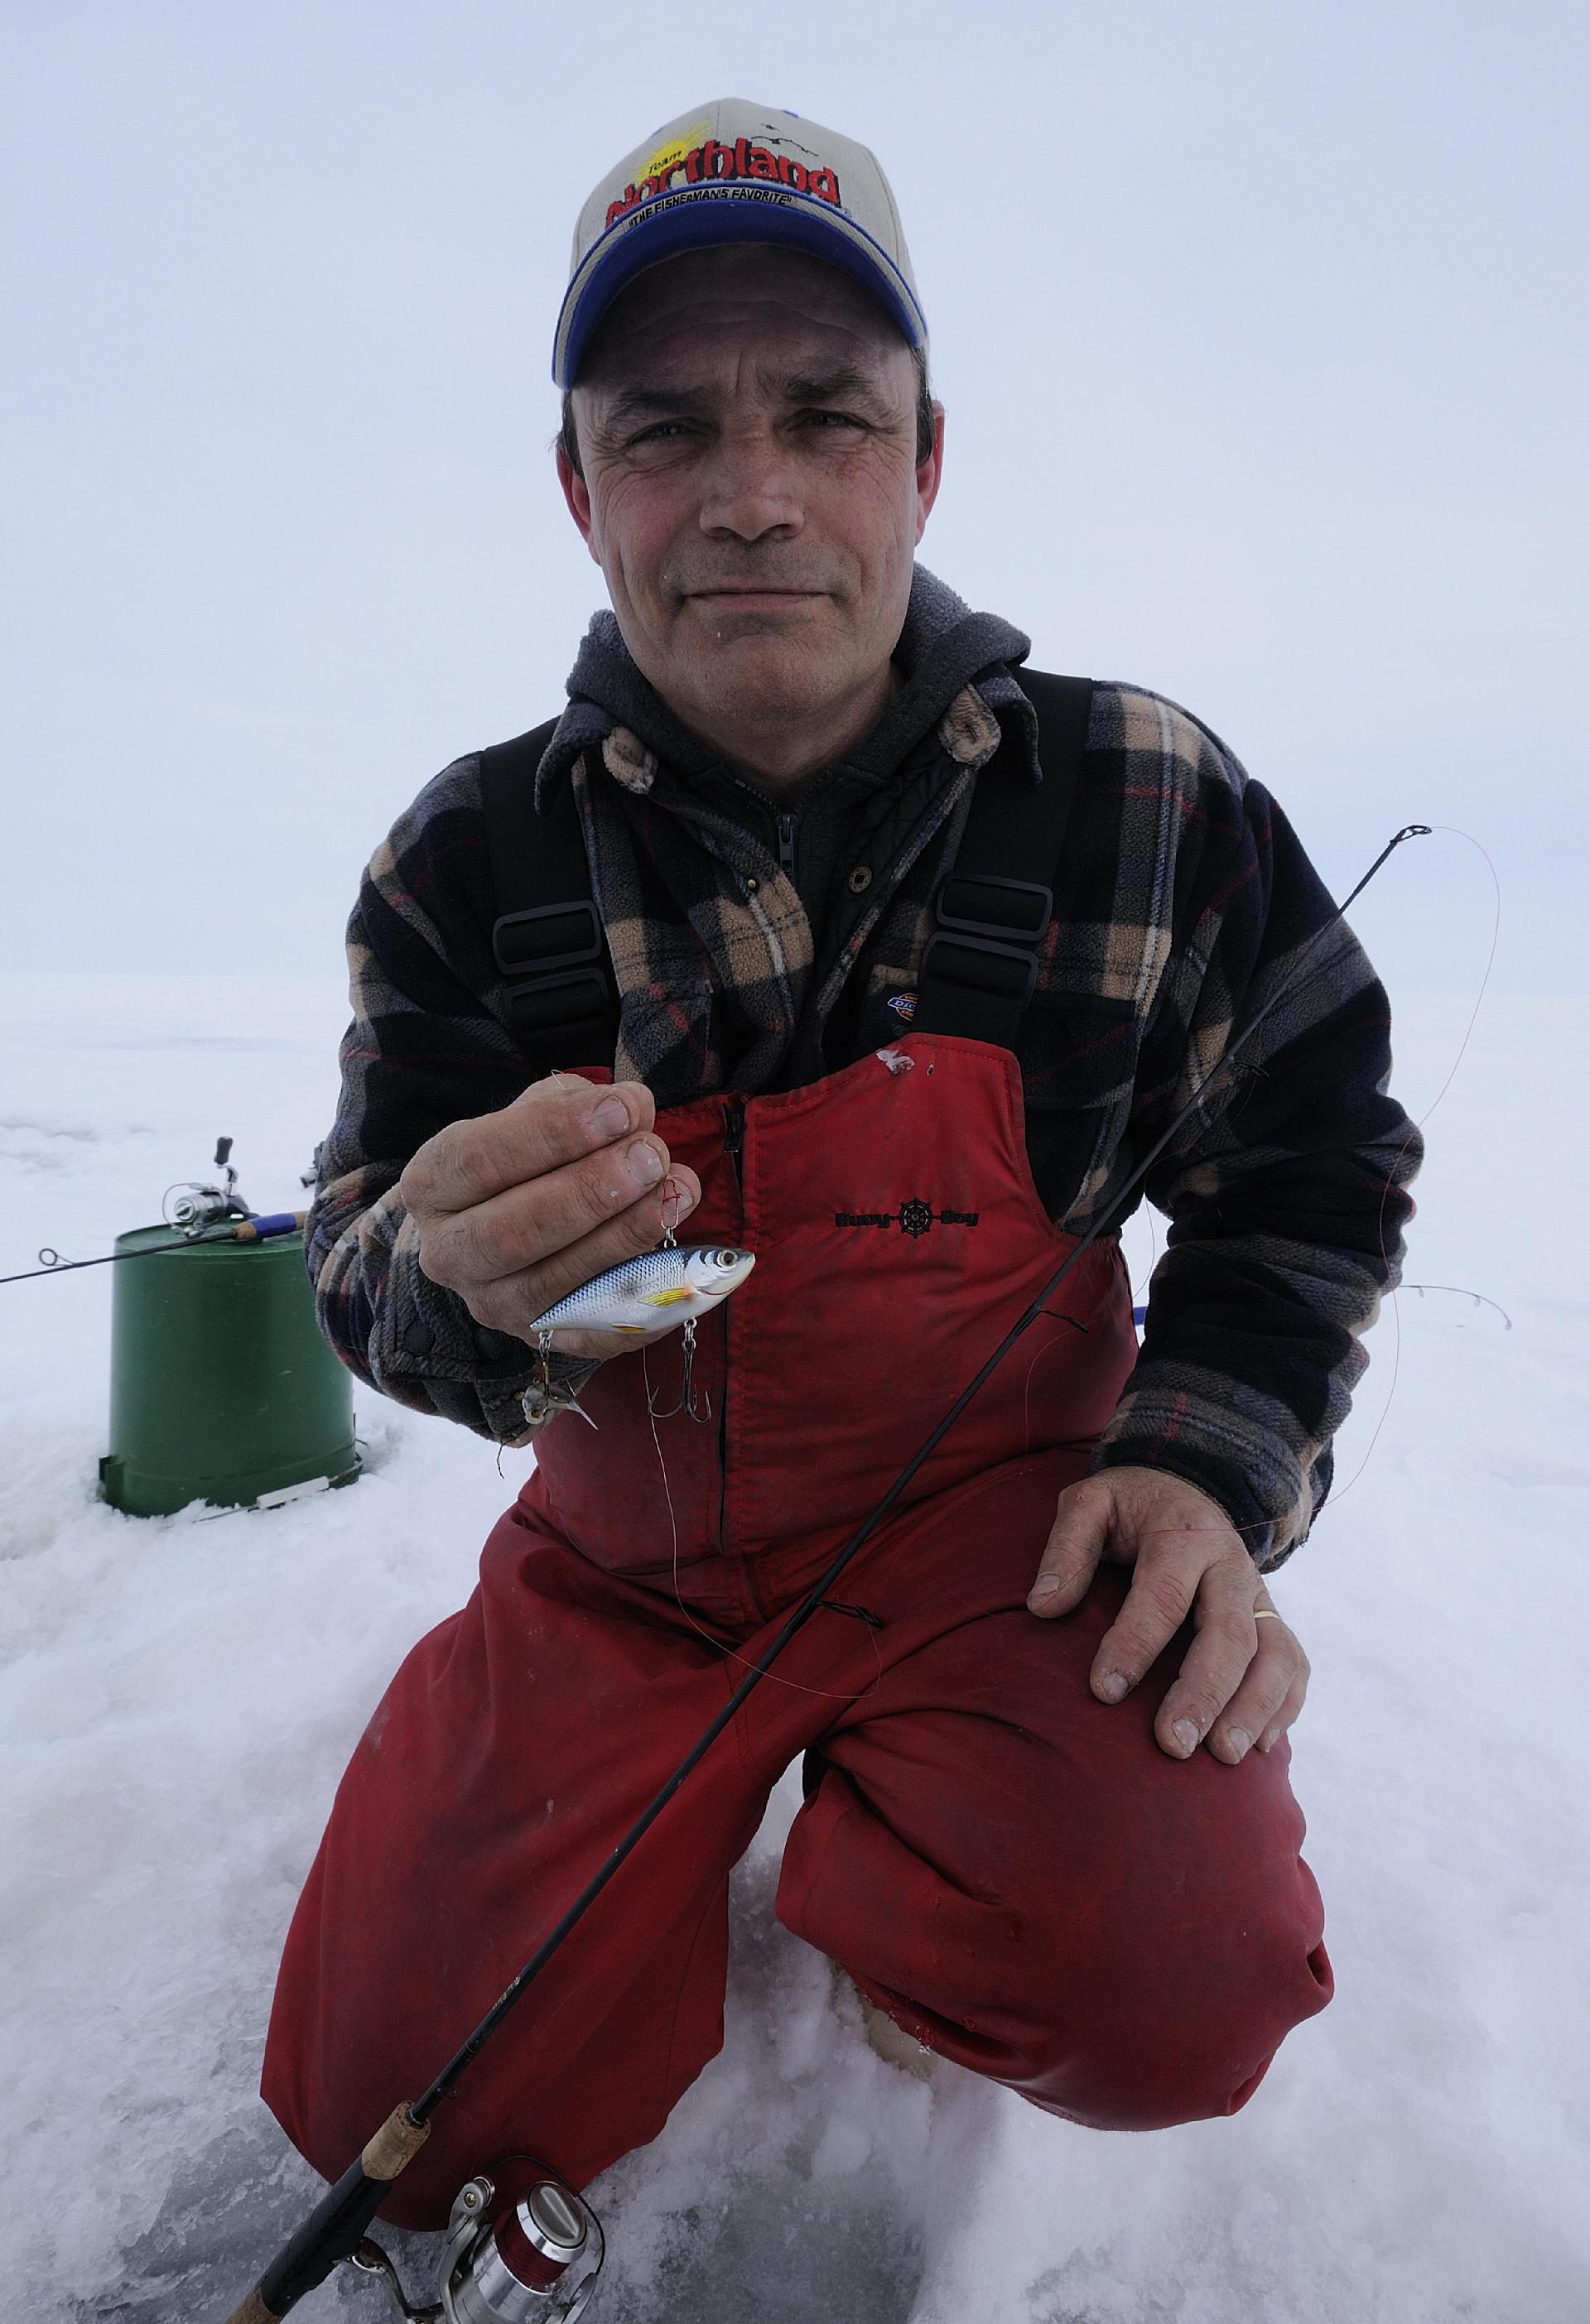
(735, 597)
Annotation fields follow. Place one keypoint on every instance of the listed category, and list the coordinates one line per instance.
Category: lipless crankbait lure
(643, 1298)
(652, 1292)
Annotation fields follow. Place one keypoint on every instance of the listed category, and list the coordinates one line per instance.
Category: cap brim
(713, 215)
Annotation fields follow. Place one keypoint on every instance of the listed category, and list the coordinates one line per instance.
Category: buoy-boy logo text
(914, 1218)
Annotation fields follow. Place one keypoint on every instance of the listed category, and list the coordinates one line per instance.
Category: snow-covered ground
(178, 1698)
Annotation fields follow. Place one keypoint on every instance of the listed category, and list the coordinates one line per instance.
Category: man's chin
(761, 668)
(739, 618)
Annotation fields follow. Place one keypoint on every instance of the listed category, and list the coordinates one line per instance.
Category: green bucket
(221, 1388)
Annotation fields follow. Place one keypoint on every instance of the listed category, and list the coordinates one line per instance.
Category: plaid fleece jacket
(1181, 906)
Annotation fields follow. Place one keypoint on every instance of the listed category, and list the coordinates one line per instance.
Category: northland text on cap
(733, 171)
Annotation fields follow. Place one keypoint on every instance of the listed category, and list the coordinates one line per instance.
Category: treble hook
(544, 1396)
(697, 1406)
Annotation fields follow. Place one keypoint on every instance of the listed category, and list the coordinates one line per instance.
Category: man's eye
(664, 431)
(830, 420)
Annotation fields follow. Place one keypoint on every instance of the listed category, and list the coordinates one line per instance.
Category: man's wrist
(1225, 1491)
(425, 1331)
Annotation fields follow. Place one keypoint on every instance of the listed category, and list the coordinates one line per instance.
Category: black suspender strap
(980, 964)
(977, 970)
(562, 1001)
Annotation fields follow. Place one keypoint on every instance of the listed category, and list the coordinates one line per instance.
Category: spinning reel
(200, 1205)
(537, 2264)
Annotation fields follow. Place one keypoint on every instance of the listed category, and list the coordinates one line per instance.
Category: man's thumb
(1075, 1546)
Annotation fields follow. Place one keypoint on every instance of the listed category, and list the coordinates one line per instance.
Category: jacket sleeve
(425, 1048)
(1286, 1205)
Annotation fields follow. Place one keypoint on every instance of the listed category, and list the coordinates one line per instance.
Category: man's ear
(930, 475)
(576, 493)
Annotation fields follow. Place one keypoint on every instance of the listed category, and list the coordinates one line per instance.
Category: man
(1048, 1827)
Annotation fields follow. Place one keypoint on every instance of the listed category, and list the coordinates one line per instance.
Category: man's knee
(1150, 1986)
(1144, 2046)
(1123, 2041)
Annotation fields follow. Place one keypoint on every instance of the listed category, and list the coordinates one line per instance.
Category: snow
(178, 1697)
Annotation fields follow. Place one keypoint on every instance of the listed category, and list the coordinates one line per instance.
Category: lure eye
(723, 1258)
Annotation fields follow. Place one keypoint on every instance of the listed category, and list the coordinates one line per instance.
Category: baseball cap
(734, 171)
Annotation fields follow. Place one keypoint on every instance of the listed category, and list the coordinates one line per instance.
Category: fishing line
(1149, 1221)
(1340, 1492)
(421, 2112)
(1451, 831)
(334, 2227)
(672, 1206)
(1144, 1280)
(721, 1645)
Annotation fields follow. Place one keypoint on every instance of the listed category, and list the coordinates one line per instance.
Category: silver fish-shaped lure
(651, 1294)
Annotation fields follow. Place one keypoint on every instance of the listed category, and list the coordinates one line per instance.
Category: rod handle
(394, 2145)
(253, 2311)
(336, 2227)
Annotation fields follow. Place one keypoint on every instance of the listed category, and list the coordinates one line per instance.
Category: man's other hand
(1243, 1680)
(517, 1209)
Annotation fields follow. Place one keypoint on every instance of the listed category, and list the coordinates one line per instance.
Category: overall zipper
(734, 1145)
(733, 1141)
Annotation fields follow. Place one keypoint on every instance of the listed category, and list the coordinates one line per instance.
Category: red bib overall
(1015, 1872)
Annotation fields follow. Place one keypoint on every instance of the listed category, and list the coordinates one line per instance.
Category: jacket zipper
(786, 828)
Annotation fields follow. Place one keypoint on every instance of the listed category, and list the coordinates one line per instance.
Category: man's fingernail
(1184, 1733)
(682, 1202)
(611, 1118)
(644, 1164)
(1044, 1587)
(1112, 1686)
(1237, 1741)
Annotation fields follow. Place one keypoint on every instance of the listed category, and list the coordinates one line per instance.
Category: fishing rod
(1460, 1291)
(198, 1216)
(249, 1230)
(335, 2230)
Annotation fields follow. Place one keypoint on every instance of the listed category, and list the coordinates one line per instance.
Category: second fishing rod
(335, 2230)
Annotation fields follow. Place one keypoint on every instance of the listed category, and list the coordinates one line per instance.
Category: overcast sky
(1261, 331)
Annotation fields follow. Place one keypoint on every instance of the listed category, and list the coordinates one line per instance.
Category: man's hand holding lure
(522, 1212)
(545, 1218)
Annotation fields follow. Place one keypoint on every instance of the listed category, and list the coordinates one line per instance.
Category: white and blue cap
(733, 171)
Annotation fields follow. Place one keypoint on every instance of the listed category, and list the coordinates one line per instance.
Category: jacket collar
(959, 683)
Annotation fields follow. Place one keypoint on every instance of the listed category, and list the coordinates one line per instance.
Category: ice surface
(179, 1695)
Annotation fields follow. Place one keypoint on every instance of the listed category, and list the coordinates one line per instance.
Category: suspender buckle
(547, 938)
(979, 968)
(559, 1000)
(1002, 911)
(575, 1007)
(975, 965)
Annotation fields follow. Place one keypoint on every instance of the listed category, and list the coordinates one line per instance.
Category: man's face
(746, 420)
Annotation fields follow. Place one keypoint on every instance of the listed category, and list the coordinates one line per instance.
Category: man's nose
(752, 487)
